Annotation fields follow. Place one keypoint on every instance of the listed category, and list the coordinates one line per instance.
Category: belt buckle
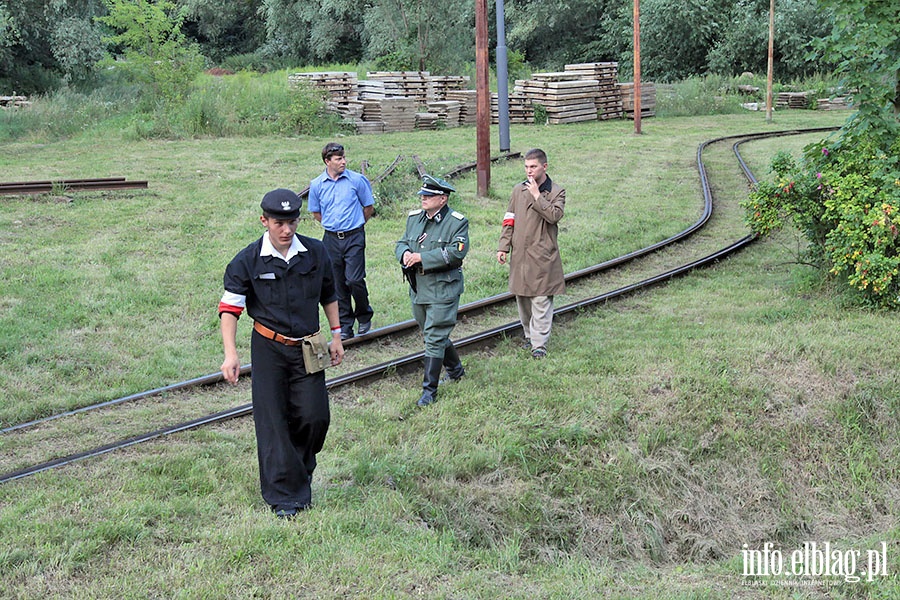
(339, 234)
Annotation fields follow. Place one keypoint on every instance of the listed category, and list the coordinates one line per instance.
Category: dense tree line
(46, 43)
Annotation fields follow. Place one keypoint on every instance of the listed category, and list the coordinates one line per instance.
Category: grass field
(743, 404)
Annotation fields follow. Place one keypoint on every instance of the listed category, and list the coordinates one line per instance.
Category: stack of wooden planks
(609, 97)
(408, 84)
(426, 121)
(13, 101)
(521, 110)
(447, 112)
(442, 85)
(566, 98)
(341, 86)
(792, 100)
(839, 103)
(468, 105)
(648, 99)
(399, 114)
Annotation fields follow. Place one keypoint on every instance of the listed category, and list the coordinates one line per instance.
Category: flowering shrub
(844, 198)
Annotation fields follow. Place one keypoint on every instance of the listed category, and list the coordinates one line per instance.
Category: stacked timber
(792, 100)
(399, 114)
(441, 85)
(349, 111)
(468, 105)
(648, 99)
(447, 112)
(408, 84)
(521, 111)
(426, 121)
(609, 97)
(839, 103)
(369, 127)
(566, 98)
(13, 101)
(370, 90)
(340, 86)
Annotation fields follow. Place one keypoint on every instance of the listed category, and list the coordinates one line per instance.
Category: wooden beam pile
(566, 98)
(409, 84)
(839, 103)
(442, 85)
(426, 121)
(609, 97)
(468, 105)
(792, 100)
(399, 114)
(521, 110)
(13, 101)
(648, 99)
(447, 112)
(340, 85)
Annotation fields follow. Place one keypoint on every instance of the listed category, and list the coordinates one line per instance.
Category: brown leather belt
(273, 335)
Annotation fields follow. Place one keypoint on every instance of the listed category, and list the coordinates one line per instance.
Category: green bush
(843, 197)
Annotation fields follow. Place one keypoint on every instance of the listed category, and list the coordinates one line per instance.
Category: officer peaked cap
(434, 186)
(282, 204)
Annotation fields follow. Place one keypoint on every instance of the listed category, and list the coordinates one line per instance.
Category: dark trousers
(348, 256)
(291, 415)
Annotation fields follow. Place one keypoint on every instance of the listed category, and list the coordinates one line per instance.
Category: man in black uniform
(281, 279)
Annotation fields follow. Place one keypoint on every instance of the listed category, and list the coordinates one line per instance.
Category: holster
(409, 274)
(315, 352)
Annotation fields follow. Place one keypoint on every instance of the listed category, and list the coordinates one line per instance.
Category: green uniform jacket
(443, 242)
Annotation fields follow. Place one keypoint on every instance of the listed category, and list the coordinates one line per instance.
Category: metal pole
(771, 61)
(502, 79)
(637, 66)
(483, 112)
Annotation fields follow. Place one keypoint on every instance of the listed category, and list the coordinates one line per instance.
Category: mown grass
(741, 404)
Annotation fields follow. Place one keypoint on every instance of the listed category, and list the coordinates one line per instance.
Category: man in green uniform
(431, 252)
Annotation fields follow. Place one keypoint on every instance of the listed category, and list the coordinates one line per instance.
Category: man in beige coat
(528, 242)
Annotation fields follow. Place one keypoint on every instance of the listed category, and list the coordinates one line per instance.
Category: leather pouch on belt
(315, 352)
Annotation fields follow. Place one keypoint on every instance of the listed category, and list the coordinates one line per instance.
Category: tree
(44, 44)
(301, 32)
(154, 48)
(225, 29)
(421, 34)
(744, 44)
(865, 46)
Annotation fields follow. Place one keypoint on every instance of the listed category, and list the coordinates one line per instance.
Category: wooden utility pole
(483, 109)
(637, 66)
(769, 94)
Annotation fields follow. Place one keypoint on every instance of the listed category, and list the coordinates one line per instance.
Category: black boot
(452, 364)
(430, 380)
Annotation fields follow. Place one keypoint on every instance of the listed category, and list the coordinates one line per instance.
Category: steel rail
(72, 186)
(479, 339)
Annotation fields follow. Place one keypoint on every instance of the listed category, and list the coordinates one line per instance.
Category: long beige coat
(529, 237)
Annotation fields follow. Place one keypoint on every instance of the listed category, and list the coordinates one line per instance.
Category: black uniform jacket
(285, 297)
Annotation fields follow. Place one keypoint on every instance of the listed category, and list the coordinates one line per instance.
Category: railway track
(71, 185)
(479, 339)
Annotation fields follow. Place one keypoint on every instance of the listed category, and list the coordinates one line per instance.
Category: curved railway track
(466, 344)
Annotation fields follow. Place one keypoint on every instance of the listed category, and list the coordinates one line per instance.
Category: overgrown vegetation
(845, 193)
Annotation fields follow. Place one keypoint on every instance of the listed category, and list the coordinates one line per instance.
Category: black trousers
(348, 256)
(291, 415)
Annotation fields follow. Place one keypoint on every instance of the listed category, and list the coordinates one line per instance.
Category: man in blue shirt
(342, 201)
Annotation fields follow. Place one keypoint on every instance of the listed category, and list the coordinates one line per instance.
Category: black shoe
(346, 334)
(364, 328)
(287, 512)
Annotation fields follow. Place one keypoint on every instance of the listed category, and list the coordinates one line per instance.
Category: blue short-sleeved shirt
(341, 200)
